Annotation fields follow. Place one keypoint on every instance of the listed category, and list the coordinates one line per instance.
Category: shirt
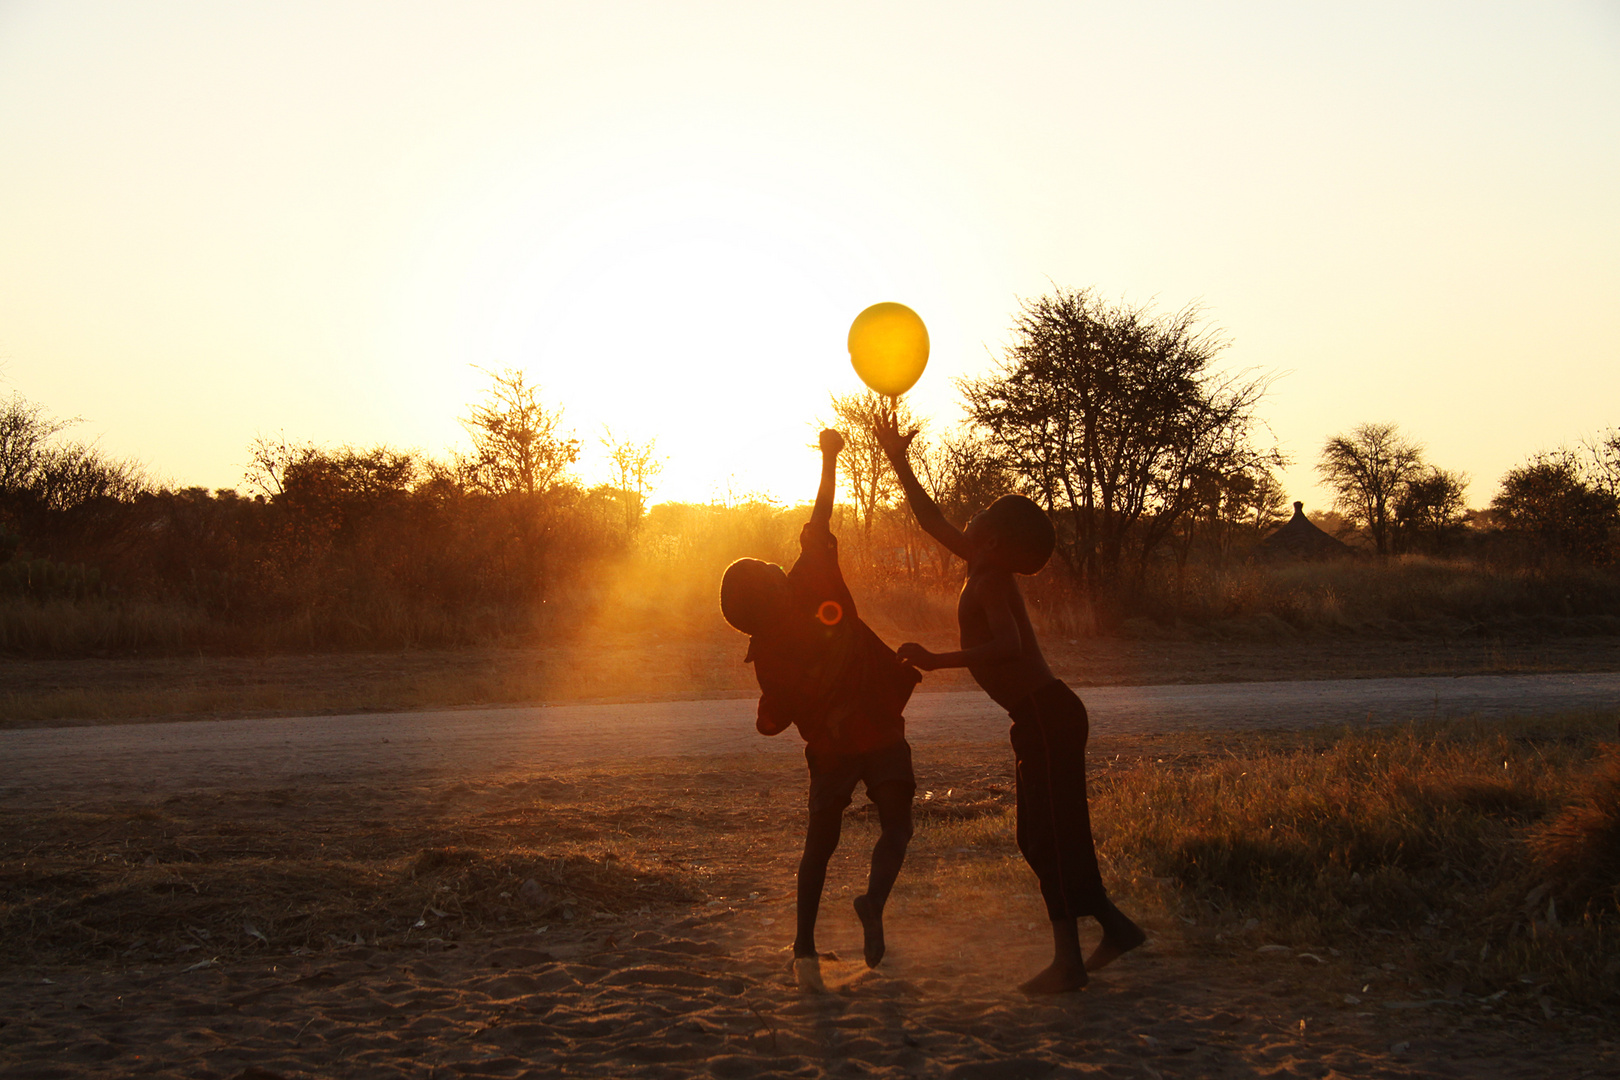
(823, 669)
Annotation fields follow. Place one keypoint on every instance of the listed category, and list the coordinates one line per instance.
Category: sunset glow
(315, 218)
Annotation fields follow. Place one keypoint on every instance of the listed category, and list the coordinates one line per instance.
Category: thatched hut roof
(1298, 538)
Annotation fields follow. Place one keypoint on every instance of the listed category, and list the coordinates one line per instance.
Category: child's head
(753, 594)
(1018, 530)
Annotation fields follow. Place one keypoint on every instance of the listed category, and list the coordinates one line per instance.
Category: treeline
(1559, 506)
(328, 546)
(1115, 418)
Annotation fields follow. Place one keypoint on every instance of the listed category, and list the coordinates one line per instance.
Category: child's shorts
(833, 776)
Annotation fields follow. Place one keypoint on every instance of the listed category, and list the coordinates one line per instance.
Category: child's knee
(897, 832)
(823, 831)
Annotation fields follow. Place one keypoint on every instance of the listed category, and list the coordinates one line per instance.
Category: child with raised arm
(1049, 726)
(822, 669)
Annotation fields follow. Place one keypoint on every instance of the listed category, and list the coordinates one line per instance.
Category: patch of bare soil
(661, 667)
(635, 922)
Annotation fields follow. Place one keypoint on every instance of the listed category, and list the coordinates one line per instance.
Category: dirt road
(65, 762)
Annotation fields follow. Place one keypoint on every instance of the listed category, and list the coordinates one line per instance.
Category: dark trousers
(1049, 731)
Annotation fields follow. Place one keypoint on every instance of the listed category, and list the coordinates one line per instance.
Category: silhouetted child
(821, 668)
(1049, 726)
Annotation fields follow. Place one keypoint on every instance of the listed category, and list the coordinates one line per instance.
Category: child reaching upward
(1049, 726)
(822, 669)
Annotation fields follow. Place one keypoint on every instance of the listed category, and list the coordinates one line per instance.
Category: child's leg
(1120, 936)
(832, 782)
(1054, 833)
(1066, 971)
(1065, 728)
(820, 841)
(893, 803)
(1054, 818)
(894, 821)
(1040, 835)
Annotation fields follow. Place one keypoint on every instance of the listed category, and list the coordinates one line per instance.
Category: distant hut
(1299, 540)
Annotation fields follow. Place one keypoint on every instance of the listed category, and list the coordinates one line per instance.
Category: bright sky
(222, 219)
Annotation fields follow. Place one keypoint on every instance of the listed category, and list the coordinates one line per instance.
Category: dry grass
(667, 586)
(1483, 856)
(1453, 596)
(75, 627)
(1577, 853)
(1419, 833)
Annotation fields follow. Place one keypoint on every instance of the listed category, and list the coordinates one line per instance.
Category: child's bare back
(982, 608)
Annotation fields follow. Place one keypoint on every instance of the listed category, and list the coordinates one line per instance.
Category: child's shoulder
(817, 532)
(818, 542)
(989, 582)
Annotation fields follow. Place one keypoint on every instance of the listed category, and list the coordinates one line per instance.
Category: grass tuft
(1578, 851)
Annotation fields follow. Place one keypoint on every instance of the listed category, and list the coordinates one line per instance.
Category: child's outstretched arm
(831, 444)
(895, 448)
(994, 596)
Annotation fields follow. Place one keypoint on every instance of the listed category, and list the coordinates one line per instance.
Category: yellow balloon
(888, 344)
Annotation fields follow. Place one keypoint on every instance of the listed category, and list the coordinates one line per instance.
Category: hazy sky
(218, 219)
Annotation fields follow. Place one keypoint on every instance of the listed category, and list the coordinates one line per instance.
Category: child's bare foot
(871, 922)
(1059, 978)
(1117, 941)
(807, 970)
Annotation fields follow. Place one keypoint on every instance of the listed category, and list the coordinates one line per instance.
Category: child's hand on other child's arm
(831, 441)
(917, 656)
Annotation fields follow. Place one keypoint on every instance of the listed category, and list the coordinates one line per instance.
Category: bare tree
(963, 474)
(870, 481)
(518, 444)
(1602, 464)
(1368, 469)
(39, 474)
(77, 474)
(1109, 415)
(26, 431)
(520, 457)
(270, 459)
(636, 467)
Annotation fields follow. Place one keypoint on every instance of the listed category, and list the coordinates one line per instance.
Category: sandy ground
(706, 994)
(700, 988)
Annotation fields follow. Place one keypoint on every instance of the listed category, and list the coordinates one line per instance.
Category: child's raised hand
(915, 655)
(886, 427)
(831, 441)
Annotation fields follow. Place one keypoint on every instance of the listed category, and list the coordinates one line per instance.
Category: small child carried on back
(822, 669)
